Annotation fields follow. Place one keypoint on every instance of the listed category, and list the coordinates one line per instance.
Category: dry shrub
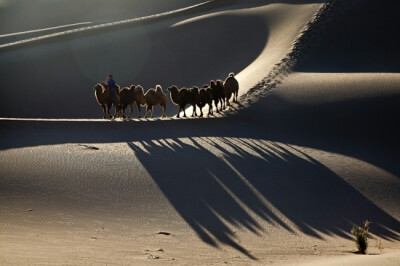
(361, 235)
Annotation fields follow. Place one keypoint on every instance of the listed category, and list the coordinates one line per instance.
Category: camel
(194, 99)
(103, 99)
(156, 97)
(231, 86)
(140, 98)
(127, 98)
(218, 93)
(114, 98)
(150, 99)
(205, 97)
(180, 97)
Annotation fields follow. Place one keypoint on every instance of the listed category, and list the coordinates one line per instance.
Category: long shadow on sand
(219, 183)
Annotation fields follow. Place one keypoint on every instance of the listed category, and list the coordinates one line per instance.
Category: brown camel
(114, 98)
(103, 99)
(180, 97)
(231, 86)
(156, 97)
(194, 99)
(218, 92)
(127, 98)
(205, 97)
(140, 98)
(151, 98)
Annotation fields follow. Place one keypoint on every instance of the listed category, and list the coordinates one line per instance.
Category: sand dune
(137, 55)
(279, 178)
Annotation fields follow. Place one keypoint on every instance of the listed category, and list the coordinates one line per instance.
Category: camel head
(173, 89)
(98, 88)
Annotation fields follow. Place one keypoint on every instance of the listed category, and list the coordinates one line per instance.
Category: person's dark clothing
(111, 85)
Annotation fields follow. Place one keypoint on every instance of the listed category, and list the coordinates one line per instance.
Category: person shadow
(220, 183)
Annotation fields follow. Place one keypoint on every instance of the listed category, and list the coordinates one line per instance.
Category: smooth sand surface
(278, 179)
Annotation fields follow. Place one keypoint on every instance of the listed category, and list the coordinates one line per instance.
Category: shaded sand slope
(363, 38)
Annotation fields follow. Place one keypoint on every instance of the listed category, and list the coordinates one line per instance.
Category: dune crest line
(44, 29)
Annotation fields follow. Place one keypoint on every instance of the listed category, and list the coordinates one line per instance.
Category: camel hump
(151, 92)
(139, 89)
(159, 88)
(231, 74)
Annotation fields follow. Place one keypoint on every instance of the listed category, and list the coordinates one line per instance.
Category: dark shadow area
(223, 180)
(56, 78)
(361, 37)
(348, 127)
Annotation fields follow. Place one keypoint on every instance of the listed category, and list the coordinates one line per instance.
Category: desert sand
(310, 150)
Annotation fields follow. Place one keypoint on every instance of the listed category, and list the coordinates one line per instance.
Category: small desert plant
(379, 245)
(361, 235)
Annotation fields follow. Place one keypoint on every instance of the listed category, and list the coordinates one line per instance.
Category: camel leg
(123, 109)
(152, 112)
(184, 111)
(138, 109)
(116, 111)
(104, 111)
(130, 110)
(164, 110)
(201, 111)
(194, 113)
(108, 111)
(179, 111)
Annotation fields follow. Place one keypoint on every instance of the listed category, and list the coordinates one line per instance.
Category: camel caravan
(109, 94)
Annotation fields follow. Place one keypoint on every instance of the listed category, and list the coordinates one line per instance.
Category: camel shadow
(217, 184)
